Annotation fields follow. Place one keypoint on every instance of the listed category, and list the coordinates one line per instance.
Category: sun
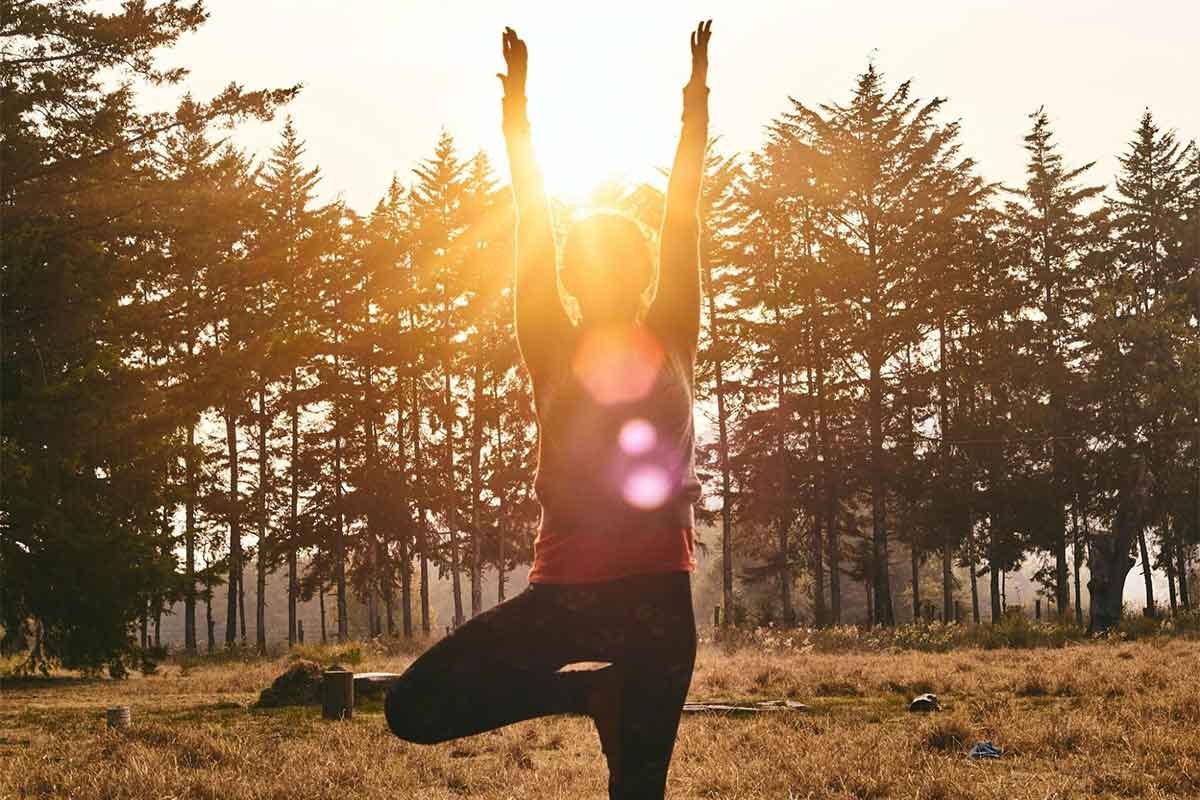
(581, 144)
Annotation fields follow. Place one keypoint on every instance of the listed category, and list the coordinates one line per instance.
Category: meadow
(1099, 719)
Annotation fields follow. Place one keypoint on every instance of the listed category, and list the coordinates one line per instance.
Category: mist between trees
(209, 377)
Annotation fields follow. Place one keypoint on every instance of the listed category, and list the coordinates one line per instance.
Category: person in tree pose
(613, 556)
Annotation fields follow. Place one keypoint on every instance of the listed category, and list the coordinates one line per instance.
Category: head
(607, 267)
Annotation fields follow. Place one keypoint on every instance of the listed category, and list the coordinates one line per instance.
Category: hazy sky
(381, 79)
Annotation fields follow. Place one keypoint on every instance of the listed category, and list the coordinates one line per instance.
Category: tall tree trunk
(785, 572)
(339, 542)
(726, 496)
(785, 577)
(263, 553)
(818, 552)
(294, 508)
(406, 537)
(406, 616)
(241, 586)
(501, 528)
(974, 565)
(994, 576)
(374, 556)
(476, 488)
(235, 528)
(1075, 558)
(869, 589)
(714, 332)
(822, 480)
(1184, 589)
(916, 583)
(260, 606)
(814, 446)
(947, 580)
(209, 622)
(835, 544)
(422, 527)
(450, 504)
(372, 595)
(324, 630)
(944, 426)
(1147, 571)
(1108, 556)
(1062, 590)
(879, 546)
(189, 543)
(1169, 568)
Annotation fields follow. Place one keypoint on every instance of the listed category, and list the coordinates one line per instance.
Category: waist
(577, 514)
(587, 555)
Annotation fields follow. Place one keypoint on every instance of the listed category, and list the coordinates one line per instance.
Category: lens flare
(647, 487)
(637, 436)
(618, 364)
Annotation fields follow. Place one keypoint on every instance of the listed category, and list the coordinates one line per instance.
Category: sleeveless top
(616, 475)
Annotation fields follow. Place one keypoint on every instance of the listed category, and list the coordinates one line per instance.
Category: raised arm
(675, 311)
(540, 318)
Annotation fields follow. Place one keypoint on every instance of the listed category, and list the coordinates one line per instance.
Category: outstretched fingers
(515, 59)
(700, 37)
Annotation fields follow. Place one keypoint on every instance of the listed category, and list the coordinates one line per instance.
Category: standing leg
(656, 670)
(496, 669)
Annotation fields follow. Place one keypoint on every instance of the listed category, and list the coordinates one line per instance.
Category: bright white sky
(383, 78)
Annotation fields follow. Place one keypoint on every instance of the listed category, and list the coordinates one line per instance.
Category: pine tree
(290, 247)
(720, 215)
(86, 441)
(437, 204)
(1052, 233)
(894, 174)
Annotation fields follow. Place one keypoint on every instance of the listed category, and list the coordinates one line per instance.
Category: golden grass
(1087, 721)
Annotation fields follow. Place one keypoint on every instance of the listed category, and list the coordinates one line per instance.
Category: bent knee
(407, 712)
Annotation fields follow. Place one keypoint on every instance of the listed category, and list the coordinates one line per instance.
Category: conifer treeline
(210, 376)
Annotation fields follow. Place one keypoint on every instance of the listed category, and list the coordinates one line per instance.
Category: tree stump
(337, 689)
(118, 717)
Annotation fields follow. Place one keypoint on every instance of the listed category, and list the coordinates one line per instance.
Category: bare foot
(604, 707)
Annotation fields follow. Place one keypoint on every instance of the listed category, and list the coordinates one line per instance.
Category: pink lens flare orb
(637, 436)
(647, 487)
(618, 364)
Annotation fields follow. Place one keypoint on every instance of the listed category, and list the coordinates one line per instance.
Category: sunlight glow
(637, 436)
(618, 365)
(647, 487)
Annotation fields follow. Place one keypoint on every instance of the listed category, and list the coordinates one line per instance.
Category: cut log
(737, 707)
(338, 694)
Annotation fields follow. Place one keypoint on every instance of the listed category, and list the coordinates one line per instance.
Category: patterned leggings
(502, 667)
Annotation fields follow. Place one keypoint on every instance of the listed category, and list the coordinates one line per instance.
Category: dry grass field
(1085, 721)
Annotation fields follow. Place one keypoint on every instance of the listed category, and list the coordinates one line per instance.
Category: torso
(616, 438)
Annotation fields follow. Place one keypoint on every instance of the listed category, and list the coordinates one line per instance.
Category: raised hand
(700, 38)
(516, 58)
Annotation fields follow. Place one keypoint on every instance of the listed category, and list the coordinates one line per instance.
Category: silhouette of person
(616, 480)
